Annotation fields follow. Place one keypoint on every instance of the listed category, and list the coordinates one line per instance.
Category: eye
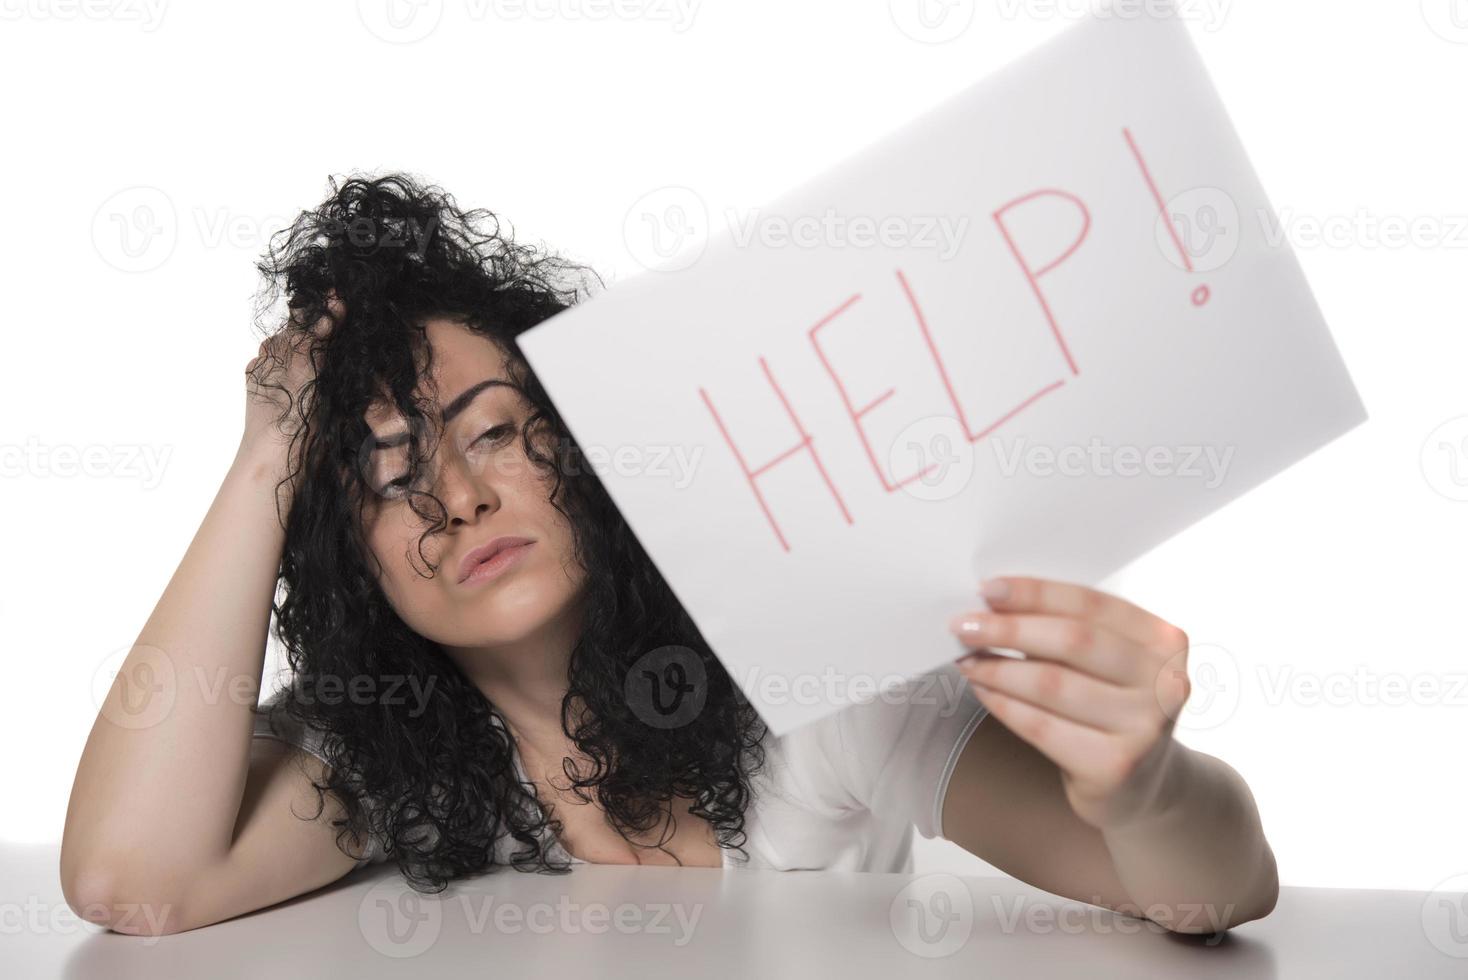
(496, 434)
(395, 488)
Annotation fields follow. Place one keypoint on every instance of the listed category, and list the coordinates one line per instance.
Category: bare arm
(1184, 868)
(1005, 804)
(1075, 781)
(168, 813)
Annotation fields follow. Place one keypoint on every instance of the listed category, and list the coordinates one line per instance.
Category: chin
(504, 614)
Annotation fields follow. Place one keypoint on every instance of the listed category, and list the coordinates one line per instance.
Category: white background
(1327, 607)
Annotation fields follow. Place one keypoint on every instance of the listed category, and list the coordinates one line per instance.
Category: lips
(485, 552)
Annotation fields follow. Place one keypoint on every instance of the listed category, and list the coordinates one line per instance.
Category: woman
(467, 618)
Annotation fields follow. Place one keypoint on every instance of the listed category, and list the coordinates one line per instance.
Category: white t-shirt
(843, 793)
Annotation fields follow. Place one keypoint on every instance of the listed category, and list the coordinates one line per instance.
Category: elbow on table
(103, 895)
(1265, 891)
(1211, 918)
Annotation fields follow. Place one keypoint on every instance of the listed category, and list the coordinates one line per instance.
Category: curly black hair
(435, 782)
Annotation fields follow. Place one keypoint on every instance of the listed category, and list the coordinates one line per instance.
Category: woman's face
(490, 491)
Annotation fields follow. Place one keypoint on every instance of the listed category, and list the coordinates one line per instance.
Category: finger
(1060, 690)
(335, 311)
(274, 348)
(297, 317)
(1076, 748)
(1085, 646)
(334, 305)
(1038, 595)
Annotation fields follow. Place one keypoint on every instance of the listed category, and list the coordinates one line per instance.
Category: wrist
(260, 464)
(256, 459)
(1159, 789)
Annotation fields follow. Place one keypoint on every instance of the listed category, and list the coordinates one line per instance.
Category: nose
(467, 492)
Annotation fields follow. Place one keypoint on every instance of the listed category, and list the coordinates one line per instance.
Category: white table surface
(604, 921)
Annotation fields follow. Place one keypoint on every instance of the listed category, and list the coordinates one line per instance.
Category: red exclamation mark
(1202, 293)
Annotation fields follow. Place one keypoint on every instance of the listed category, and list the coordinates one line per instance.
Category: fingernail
(994, 588)
(966, 625)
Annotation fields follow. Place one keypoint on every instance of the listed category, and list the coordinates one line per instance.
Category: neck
(526, 681)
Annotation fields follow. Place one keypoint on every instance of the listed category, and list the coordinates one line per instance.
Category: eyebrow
(451, 410)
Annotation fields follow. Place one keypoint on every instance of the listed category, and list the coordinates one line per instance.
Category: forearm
(159, 783)
(1197, 859)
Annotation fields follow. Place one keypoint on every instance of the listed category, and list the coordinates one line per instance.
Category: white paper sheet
(1165, 365)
